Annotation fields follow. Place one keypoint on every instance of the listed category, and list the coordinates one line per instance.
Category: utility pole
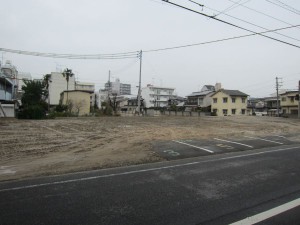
(139, 91)
(277, 91)
(109, 88)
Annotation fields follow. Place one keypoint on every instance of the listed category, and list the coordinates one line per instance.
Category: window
(233, 100)
(225, 111)
(200, 101)
(243, 100)
(215, 100)
(233, 111)
(292, 99)
(283, 99)
(215, 110)
(243, 111)
(225, 100)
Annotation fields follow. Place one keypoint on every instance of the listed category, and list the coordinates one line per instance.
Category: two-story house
(289, 102)
(229, 102)
(202, 99)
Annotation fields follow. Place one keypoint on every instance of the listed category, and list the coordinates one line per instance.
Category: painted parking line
(262, 139)
(269, 213)
(194, 146)
(279, 136)
(233, 142)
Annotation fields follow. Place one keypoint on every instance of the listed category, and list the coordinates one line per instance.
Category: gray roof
(233, 92)
(199, 93)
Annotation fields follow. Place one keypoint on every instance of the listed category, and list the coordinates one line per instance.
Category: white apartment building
(57, 85)
(155, 96)
(118, 88)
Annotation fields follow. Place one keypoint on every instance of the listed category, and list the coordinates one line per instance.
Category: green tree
(47, 81)
(67, 74)
(33, 100)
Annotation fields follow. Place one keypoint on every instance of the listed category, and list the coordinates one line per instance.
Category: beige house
(229, 102)
(289, 103)
(78, 101)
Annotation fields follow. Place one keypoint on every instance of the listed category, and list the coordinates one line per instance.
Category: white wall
(57, 85)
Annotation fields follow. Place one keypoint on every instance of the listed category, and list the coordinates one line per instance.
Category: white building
(57, 85)
(155, 96)
(118, 88)
(23, 76)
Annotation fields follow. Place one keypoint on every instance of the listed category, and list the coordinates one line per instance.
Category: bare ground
(36, 148)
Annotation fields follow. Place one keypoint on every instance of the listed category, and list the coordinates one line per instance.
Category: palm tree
(47, 80)
(67, 74)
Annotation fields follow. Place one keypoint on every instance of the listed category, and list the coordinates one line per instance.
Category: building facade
(155, 96)
(289, 102)
(57, 85)
(229, 102)
(8, 81)
(78, 101)
(118, 88)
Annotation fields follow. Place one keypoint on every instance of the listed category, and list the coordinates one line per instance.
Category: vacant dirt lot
(34, 148)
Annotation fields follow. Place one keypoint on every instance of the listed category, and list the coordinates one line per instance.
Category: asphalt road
(212, 189)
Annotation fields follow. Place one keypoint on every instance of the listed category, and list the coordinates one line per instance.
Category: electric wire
(290, 10)
(286, 5)
(295, 39)
(235, 5)
(231, 24)
(125, 55)
(218, 40)
(262, 13)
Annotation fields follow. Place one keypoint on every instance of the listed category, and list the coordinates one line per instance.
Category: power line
(231, 24)
(295, 39)
(286, 5)
(235, 5)
(125, 55)
(219, 40)
(293, 11)
(262, 13)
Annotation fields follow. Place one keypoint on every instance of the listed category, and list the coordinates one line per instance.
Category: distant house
(78, 101)
(289, 103)
(202, 99)
(229, 102)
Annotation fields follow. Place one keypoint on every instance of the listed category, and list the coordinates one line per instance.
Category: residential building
(201, 98)
(118, 88)
(6, 87)
(23, 76)
(57, 85)
(8, 81)
(229, 102)
(155, 96)
(131, 105)
(88, 87)
(78, 101)
(289, 103)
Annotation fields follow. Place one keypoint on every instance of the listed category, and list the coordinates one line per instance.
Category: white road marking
(269, 213)
(279, 136)
(6, 170)
(194, 146)
(249, 146)
(145, 170)
(265, 140)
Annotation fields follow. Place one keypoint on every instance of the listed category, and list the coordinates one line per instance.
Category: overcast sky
(248, 64)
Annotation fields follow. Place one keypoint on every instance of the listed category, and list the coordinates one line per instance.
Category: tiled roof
(233, 92)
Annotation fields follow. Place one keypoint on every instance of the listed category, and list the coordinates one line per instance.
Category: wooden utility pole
(139, 91)
(277, 87)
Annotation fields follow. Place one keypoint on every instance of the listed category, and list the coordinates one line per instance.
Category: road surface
(212, 189)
